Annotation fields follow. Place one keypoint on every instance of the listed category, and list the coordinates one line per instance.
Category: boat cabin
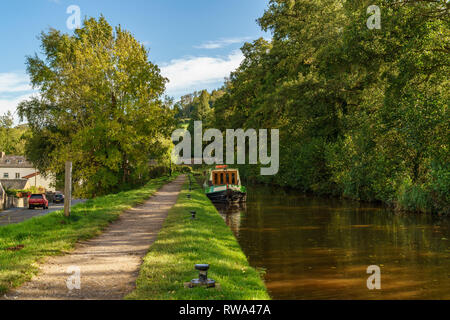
(224, 185)
(220, 178)
(224, 176)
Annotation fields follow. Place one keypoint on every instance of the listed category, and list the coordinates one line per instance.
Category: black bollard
(202, 277)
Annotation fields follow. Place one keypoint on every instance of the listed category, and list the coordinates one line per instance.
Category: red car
(37, 200)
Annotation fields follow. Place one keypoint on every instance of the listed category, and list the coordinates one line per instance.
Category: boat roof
(223, 168)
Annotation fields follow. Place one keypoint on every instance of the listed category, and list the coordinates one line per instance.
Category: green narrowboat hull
(226, 194)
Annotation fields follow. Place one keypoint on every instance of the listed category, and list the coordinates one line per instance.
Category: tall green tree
(12, 139)
(362, 112)
(100, 106)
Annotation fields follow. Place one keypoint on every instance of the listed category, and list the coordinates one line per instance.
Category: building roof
(31, 175)
(14, 162)
(16, 184)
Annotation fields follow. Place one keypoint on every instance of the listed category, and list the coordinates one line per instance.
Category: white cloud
(186, 75)
(196, 73)
(221, 43)
(14, 82)
(12, 103)
(14, 88)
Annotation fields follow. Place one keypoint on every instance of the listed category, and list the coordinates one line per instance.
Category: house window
(5, 175)
(17, 175)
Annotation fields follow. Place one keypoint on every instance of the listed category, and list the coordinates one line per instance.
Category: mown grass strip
(23, 245)
(184, 242)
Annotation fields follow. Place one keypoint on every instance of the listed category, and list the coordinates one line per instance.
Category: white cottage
(17, 170)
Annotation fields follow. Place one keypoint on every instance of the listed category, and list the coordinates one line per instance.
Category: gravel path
(110, 263)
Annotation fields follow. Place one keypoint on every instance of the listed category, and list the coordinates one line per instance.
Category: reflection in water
(232, 215)
(319, 248)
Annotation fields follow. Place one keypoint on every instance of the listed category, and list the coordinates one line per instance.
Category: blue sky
(195, 42)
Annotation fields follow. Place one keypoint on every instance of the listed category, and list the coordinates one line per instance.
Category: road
(17, 215)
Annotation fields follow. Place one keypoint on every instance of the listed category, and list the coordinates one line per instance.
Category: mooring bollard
(202, 280)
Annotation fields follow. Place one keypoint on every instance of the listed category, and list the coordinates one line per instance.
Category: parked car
(58, 198)
(37, 200)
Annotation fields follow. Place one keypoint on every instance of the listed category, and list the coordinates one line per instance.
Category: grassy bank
(183, 243)
(24, 244)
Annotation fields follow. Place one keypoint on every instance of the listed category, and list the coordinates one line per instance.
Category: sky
(195, 42)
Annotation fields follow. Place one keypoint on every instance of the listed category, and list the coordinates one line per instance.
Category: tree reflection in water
(320, 248)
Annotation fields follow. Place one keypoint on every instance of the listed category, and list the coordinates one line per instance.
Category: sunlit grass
(184, 242)
(54, 234)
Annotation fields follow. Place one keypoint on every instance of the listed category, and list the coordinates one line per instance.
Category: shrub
(16, 192)
(158, 171)
(34, 189)
(184, 169)
(414, 197)
(440, 185)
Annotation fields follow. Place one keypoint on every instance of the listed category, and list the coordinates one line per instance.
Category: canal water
(319, 248)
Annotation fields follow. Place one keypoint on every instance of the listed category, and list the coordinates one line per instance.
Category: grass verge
(23, 245)
(184, 242)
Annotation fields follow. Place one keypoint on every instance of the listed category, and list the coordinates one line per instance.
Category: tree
(12, 138)
(202, 108)
(100, 106)
(362, 112)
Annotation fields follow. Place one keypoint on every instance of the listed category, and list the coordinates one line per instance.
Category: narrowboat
(223, 185)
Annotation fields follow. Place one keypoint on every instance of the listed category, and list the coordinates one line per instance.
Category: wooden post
(68, 189)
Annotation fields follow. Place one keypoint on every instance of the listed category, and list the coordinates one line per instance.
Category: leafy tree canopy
(99, 106)
(362, 113)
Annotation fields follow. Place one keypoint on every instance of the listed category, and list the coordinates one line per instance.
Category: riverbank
(24, 245)
(406, 197)
(184, 242)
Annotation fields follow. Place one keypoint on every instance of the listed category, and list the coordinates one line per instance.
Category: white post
(68, 189)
